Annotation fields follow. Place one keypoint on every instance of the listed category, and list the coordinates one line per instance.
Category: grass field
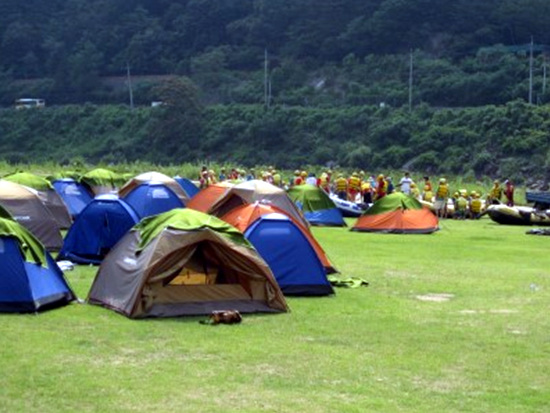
(456, 321)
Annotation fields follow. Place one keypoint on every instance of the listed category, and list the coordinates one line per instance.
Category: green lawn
(456, 321)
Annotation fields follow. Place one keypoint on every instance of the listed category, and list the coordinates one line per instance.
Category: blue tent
(152, 198)
(74, 195)
(289, 254)
(29, 281)
(97, 229)
(188, 186)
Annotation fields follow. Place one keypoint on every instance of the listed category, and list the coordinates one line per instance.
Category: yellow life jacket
(475, 205)
(461, 203)
(428, 195)
(442, 191)
(341, 185)
(277, 179)
(355, 183)
(496, 192)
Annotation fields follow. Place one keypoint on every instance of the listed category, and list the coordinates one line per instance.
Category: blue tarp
(152, 198)
(288, 253)
(98, 228)
(27, 286)
(74, 195)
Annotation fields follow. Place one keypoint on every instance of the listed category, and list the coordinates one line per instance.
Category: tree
(177, 126)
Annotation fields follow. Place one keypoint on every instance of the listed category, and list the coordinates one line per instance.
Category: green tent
(185, 220)
(316, 205)
(31, 180)
(310, 197)
(102, 180)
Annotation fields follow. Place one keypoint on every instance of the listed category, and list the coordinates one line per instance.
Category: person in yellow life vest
(354, 186)
(495, 194)
(297, 179)
(461, 205)
(277, 180)
(324, 182)
(427, 194)
(475, 205)
(441, 197)
(415, 192)
(341, 185)
(381, 188)
(366, 190)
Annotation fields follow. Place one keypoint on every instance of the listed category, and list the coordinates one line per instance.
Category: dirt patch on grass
(435, 297)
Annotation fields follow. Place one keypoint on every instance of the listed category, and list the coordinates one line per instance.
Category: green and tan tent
(47, 195)
(25, 207)
(316, 205)
(102, 181)
(184, 262)
(399, 214)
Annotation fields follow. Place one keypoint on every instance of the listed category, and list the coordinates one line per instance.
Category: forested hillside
(434, 85)
(320, 52)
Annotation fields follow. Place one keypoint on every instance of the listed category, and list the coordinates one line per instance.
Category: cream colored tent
(154, 177)
(255, 190)
(184, 262)
(26, 208)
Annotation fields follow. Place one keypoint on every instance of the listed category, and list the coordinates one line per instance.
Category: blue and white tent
(30, 279)
(97, 229)
(74, 195)
(289, 254)
(152, 198)
(188, 186)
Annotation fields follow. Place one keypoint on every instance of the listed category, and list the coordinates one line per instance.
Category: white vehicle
(28, 103)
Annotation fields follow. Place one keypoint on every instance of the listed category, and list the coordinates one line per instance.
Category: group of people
(358, 187)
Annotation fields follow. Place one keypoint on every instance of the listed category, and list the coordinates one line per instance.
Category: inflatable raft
(518, 215)
(348, 209)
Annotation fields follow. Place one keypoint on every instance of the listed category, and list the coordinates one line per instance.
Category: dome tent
(316, 206)
(25, 207)
(290, 256)
(156, 177)
(47, 194)
(30, 280)
(184, 262)
(152, 198)
(75, 195)
(399, 214)
(244, 216)
(97, 229)
(255, 190)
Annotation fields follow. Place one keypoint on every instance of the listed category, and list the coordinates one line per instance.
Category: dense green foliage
(321, 52)
(512, 140)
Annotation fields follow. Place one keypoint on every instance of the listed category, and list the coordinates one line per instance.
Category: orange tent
(243, 216)
(399, 214)
(208, 196)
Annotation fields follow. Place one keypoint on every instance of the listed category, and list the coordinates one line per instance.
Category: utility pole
(130, 86)
(531, 72)
(266, 87)
(543, 75)
(410, 80)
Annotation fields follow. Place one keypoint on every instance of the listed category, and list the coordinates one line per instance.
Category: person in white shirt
(405, 184)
